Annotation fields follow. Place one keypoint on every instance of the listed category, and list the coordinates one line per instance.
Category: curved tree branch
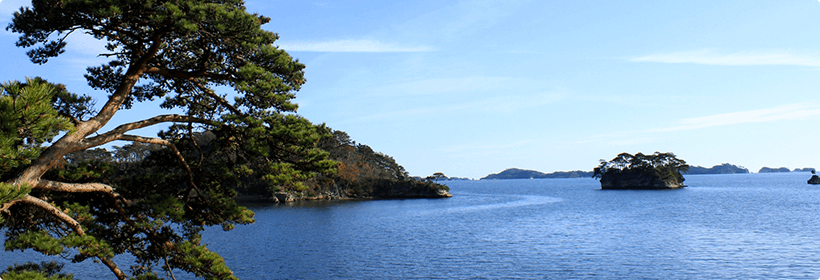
(56, 212)
(115, 133)
(74, 188)
(68, 143)
(71, 222)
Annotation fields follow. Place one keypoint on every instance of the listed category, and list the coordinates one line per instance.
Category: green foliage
(363, 172)
(202, 262)
(9, 192)
(40, 241)
(29, 118)
(34, 271)
(664, 166)
(144, 200)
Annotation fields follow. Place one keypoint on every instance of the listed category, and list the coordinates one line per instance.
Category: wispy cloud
(510, 104)
(710, 57)
(351, 46)
(453, 22)
(642, 137)
(779, 113)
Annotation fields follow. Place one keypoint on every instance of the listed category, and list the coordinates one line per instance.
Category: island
(784, 170)
(515, 173)
(717, 169)
(639, 171)
(774, 170)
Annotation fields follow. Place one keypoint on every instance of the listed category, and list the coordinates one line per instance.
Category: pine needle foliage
(210, 60)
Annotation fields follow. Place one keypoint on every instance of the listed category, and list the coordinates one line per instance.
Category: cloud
(454, 22)
(642, 137)
(507, 104)
(351, 46)
(710, 57)
(779, 113)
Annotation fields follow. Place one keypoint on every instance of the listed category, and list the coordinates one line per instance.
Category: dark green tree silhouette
(179, 52)
(657, 167)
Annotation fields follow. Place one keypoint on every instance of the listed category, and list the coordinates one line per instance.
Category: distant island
(725, 168)
(515, 173)
(717, 169)
(783, 169)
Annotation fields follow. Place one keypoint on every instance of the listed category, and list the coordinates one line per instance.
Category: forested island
(639, 171)
(515, 173)
(361, 172)
(783, 170)
(717, 169)
(725, 168)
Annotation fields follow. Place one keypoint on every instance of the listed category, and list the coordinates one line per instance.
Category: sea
(733, 226)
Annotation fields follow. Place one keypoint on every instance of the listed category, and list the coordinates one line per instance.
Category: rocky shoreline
(349, 194)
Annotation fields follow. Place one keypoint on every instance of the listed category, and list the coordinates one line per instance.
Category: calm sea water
(742, 226)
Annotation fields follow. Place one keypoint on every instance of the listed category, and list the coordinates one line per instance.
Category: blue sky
(469, 88)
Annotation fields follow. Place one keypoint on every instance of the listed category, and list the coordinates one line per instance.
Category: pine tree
(179, 52)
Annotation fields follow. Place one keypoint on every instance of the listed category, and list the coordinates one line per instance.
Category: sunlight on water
(510, 201)
(752, 226)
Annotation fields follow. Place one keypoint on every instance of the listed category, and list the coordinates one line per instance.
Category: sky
(470, 88)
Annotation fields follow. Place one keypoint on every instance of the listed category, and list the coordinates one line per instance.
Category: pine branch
(59, 214)
(74, 187)
(122, 129)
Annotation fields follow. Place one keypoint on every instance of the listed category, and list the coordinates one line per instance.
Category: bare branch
(122, 129)
(113, 267)
(59, 214)
(74, 188)
(80, 188)
(5, 207)
(132, 75)
(68, 143)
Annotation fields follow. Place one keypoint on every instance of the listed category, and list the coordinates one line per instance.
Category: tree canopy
(651, 169)
(180, 52)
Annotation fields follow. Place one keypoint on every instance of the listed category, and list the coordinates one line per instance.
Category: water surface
(740, 226)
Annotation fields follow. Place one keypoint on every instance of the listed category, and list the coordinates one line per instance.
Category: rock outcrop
(815, 180)
(639, 181)
(362, 189)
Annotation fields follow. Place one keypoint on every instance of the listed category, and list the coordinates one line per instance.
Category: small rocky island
(814, 180)
(643, 172)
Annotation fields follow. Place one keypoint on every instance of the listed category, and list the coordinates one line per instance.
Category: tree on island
(435, 177)
(639, 171)
(180, 52)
